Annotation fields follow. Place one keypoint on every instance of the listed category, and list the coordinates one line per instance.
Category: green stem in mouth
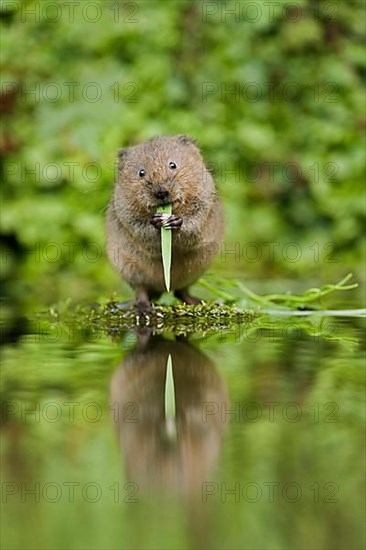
(166, 245)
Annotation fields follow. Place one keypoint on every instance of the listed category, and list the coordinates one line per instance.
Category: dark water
(268, 448)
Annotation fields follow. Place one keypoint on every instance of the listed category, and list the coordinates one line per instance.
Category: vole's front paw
(173, 222)
(169, 221)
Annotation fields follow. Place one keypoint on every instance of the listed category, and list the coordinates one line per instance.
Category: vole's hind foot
(183, 295)
(171, 222)
(142, 301)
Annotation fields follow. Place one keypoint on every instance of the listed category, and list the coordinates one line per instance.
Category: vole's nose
(162, 195)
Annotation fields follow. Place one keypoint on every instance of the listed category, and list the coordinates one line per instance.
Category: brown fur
(134, 243)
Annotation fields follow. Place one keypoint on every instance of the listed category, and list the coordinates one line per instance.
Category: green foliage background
(163, 68)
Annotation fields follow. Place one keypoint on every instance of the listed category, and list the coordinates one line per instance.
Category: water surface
(268, 448)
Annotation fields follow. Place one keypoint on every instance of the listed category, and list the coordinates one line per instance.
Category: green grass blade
(221, 288)
(166, 246)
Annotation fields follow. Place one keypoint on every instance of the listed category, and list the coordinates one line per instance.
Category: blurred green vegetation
(274, 95)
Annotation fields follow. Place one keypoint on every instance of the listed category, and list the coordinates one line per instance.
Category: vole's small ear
(121, 157)
(185, 140)
(122, 153)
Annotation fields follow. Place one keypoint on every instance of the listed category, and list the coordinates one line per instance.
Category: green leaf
(166, 245)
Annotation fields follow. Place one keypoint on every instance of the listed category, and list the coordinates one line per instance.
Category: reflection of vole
(164, 170)
(137, 388)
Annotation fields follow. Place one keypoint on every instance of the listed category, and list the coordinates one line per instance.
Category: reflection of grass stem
(318, 313)
(171, 428)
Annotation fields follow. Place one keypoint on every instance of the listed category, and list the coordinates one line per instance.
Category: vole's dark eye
(172, 165)
(142, 173)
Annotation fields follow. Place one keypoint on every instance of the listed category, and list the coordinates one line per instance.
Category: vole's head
(163, 170)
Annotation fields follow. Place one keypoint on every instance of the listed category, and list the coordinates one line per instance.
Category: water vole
(163, 170)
